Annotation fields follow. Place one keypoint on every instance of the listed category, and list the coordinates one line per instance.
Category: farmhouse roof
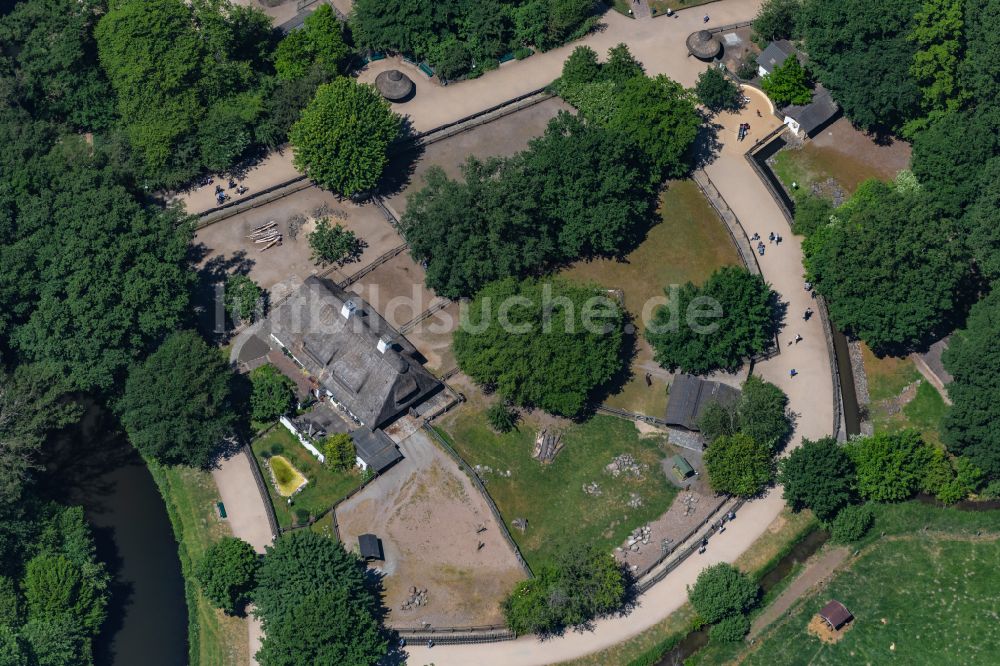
(370, 547)
(814, 115)
(835, 614)
(775, 54)
(375, 448)
(690, 396)
(703, 44)
(351, 351)
(394, 85)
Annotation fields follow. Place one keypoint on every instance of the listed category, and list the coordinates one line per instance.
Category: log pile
(266, 235)
(547, 445)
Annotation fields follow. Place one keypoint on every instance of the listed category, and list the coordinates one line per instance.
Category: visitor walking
(793, 372)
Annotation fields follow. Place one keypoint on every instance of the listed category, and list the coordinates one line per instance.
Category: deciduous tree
(775, 20)
(546, 344)
(273, 394)
(733, 316)
(343, 135)
(177, 406)
(716, 91)
(722, 591)
(339, 451)
(818, 475)
(739, 465)
(226, 572)
(333, 244)
(788, 83)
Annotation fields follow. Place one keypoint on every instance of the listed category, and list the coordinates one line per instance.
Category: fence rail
(382, 260)
(429, 312)
(456, 635)
(464, 466)
(272, 520)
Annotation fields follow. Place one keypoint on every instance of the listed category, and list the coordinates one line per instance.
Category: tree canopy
(818, 475)
(861, 52)
(583, 583)
(319, 43)
(226, 572)
(888, 267)
(716, 91)
(761, 412)
(788, 83)
(733, 316)
(972, 424)
(541, 343)
(341, 140)
(775, 20)
(177, 405)
(349, 629)
(739, 465)
(577, 191)
(891, 467)
(722, 591)
(273, 393)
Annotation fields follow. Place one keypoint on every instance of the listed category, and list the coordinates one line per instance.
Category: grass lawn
(325, 486)
(895, 403)
(812, 164)
(286, 477)
(939, 604)
(190, 496)
(551, 496)
(688, 244)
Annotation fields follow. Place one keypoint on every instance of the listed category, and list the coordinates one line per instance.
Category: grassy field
(811, 164)
(326, 487)
(214, 638)
(551, 496)
(901, 398)
(688, 244)
(938, 605)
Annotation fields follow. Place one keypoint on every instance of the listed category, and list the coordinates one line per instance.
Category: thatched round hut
(394, 85)
(703, 45)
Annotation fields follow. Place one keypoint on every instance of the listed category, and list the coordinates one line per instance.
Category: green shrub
(501, 418)
(851, 523)
(522, 52)
(731, 629)
(302, 516)
(722, 590)
(277, 450)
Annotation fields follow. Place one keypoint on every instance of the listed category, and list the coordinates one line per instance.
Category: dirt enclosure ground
(427, 513)
(224, 246)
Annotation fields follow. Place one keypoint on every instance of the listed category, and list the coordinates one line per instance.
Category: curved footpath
(659, 44)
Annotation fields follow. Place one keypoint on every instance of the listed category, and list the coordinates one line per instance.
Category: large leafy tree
(761, 412)
(981, 222)
(273, 393)
(972, 424)
(775, 20)
(545, 344)
(979, 70)
(583, 583)
(818, 475)
(862, 54)
(31, 404)
(722, 591)
(348, 631)
(716, 91)
(89, 277)
(889, 268)
(320, 42)
(226, 572)
(788, 83)
(739, 465)
(177, 405)
(55, 61)
(579, 190)
(733, 316)
(343, 135)
(937, 32)
(891, 467)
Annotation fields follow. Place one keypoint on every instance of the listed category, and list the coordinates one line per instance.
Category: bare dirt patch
(821, 630)
(428, 515)
(396, 290)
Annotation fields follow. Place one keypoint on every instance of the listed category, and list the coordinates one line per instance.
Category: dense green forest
(901, 264)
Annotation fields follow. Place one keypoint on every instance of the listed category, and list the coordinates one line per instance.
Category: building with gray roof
(374, 449)
(690, 396)
(773, 56)
(353, 354)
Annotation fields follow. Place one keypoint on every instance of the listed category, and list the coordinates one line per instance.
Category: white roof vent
(348, 309)
(383, 344)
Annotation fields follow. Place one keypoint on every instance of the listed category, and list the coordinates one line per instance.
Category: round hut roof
(394, 85)
(703, 44)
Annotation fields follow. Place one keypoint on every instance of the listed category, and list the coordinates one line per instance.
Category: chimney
(384, 343)
(348, 309)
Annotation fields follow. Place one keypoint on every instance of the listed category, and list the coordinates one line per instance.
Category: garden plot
(437, 535)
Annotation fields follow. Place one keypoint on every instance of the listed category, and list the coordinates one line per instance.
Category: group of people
(220, 193)
(771, 237)
(744, 130)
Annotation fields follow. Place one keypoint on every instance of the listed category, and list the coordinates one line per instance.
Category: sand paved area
(427, 513)
(658, 43)
(225, 246)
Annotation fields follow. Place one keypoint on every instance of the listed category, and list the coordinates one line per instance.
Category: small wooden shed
(835, 615)
(370, 547)
(681, 468)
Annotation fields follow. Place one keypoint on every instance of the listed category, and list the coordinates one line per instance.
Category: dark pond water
(94, 466)
(799, 553)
